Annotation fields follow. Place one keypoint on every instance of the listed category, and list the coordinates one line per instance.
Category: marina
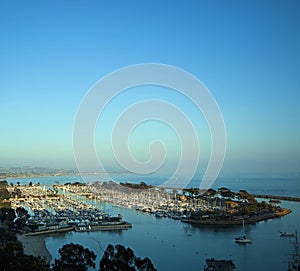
(162, 238)
(51, 212)
(68, 207)
(208, 207)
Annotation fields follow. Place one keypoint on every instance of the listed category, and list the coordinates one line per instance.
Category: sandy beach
(35, 245)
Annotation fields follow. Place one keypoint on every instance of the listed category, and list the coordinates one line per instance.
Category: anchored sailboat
(243, 239)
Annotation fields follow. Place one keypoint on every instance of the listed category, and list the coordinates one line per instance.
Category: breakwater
(265, 196)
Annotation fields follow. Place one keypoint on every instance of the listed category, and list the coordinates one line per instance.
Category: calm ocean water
(173, 245)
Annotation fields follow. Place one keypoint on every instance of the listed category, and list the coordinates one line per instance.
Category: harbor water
(173, 245)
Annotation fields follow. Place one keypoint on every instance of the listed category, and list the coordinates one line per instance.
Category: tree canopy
(74, 257)
(12, 257)
(120, 258)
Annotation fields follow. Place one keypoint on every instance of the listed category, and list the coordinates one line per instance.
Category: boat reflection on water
(287, 234)
(294, 264)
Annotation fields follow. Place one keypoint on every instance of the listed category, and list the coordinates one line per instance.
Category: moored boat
(243, 239)
(287, 234)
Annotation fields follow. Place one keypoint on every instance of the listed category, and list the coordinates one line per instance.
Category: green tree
(3, 184)
(120, 258)
(74, 257)
(7, 215)
(7, 236)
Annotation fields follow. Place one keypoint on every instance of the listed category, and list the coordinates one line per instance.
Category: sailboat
(243, 239)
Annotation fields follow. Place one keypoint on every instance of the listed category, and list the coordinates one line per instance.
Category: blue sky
(246, 52)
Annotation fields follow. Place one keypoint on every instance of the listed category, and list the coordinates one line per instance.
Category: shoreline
(37, 176)
(35, 245)
(249, 220)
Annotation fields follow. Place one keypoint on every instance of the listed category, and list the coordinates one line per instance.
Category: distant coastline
(40, 172)
(34, 172)
(25, 176)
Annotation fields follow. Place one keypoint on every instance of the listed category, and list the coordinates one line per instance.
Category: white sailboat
(243, 239)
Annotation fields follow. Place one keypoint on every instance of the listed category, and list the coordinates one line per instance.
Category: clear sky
(246, 52)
